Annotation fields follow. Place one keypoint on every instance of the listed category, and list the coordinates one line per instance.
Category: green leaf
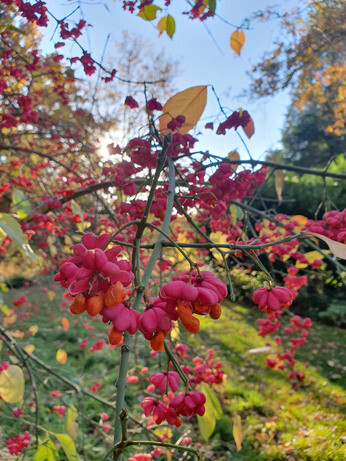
(81, 226)
(46, 452)
(9, 226)
(20, 204)
(212, 6)
(170, 26)
(68, 446)
(206, 423)
(149, 12)
(14, 29)
(213, 411)
(212, 398)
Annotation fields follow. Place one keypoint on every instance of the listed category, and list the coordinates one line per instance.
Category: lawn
(278, 423)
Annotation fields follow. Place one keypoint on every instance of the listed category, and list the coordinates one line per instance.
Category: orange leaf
(190, 103)
(61, 356)
(237, 41)
(338, 248)
(249, 129)
(17, 334)
(51, 295)
(302, 220)
(234, 156)
(279, 184)
(65, 323)
(9, 320)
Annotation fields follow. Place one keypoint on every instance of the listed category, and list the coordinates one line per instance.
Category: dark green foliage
(18, 281)
(306, 141)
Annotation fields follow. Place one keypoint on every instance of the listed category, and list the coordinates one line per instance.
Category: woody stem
(120, 426)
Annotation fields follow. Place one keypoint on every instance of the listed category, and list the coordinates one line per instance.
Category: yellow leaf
(190, 103)
(161, 25)
(175, 332)
(166, 24)
(33, 330)
(237, 433)
(338, 248)
(61, 356)
(279, 184)
(311, 256)
(237, 41)
(166, 431)
(12, 384)
(71, 425)
(233, 155)
(302, 220)
(65, 323)
(168, 455)
(29, 348)
(51, 295)
(67, 444)
(68, 241)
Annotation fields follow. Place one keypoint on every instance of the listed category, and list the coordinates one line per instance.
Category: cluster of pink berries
(184, 404)
(17, 444)
(189, 403)
(93, 270)
(146, 456)
(4, 366)
(96, 280)
(271, 300)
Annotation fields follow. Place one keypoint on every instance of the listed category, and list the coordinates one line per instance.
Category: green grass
(278, 422)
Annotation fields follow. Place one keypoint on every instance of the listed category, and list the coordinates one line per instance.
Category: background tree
(309, 59)
(305, 138)
(136, 62)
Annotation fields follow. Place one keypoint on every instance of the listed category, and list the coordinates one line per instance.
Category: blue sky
(200, 59)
